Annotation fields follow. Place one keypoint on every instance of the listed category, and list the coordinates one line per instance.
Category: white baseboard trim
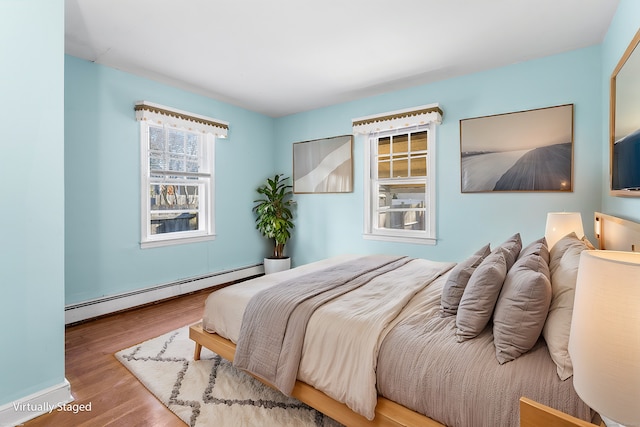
(111, 304)
(48, 400)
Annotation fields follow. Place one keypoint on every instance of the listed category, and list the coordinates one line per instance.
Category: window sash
(177, 219)
(403, 154)
(391, 215)
(424, 214)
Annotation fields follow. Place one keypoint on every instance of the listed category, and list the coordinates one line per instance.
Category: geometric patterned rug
(210, 391)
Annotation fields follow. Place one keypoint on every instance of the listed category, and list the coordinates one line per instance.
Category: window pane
(419, 141)
(176, 163)
(395, 195)
(193, 144)
(400, 144)
(156, 139)
(384, 145)
(157, 161)
(402, 220)
(173, 197)
(162, 222)
(384, 169)
(174, 208)
(192, 166)
(401, 206)
(419, 166)
(400, 168)
(176, 141)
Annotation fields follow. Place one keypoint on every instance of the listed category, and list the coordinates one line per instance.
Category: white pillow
(558, 324)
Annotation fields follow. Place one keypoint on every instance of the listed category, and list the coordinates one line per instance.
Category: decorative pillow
(512, 246)
(558, 324)
(457, 281)
(523, 304)
(561, 246)
(480, 295)
(538, 247)
(588, 243)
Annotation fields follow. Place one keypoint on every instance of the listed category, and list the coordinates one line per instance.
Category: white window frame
(371, 231)
(206, 223)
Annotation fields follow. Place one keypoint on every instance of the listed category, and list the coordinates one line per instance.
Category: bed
(404, 344)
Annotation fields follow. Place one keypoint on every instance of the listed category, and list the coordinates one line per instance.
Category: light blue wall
(102, 183)
(32, 206)
(331, 224)
(624, 26)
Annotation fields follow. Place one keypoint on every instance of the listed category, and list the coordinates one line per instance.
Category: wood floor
(96, 377)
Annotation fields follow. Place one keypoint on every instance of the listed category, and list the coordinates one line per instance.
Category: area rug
(210, 391)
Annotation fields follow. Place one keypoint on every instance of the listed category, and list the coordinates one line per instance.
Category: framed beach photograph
(323, 165)
(522, 151)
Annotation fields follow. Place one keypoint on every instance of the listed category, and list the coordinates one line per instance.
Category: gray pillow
(538, 247)
(512, 245)
(457, 281)
(480, 295)
(522, 306)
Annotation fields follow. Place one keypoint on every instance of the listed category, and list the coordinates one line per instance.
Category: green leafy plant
(273, 212)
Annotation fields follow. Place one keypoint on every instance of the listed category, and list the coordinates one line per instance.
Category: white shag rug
(210, 391)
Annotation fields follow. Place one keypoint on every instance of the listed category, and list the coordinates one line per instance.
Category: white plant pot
(273, 265)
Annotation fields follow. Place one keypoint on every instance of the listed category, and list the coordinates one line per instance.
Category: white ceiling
(286, 56)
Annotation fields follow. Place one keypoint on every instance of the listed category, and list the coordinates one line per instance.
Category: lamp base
(611, 423)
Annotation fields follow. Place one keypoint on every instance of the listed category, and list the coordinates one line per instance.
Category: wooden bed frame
(388, 413)
(612, 233)
(534, 414)
(617, 234)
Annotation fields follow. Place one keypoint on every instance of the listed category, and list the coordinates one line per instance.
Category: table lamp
(559, 224)
(604, 343)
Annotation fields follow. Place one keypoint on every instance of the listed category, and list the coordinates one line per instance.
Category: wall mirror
(624, 123)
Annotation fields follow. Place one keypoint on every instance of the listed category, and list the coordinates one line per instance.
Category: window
(177, 179)
(400, 178)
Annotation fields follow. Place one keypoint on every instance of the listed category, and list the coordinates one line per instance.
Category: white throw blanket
(275, 320)
(340, 350)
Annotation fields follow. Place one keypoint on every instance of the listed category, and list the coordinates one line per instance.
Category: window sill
(401, 239)
(173, 242)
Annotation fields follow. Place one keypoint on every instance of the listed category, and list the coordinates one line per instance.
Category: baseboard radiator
(110, 304)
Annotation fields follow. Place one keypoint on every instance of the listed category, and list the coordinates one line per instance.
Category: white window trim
(177, 238)
(428, 237)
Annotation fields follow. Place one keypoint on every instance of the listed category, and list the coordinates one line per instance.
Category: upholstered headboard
(615, 233)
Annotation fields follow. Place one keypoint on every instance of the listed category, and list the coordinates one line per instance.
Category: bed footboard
(388, 413)
(534, 414)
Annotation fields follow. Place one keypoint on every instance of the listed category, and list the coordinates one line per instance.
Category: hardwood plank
(117, 398)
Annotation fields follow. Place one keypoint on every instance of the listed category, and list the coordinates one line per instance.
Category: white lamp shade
(604, 343)
(559, 224)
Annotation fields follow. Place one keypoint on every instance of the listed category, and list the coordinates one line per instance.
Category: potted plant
(273, 219)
